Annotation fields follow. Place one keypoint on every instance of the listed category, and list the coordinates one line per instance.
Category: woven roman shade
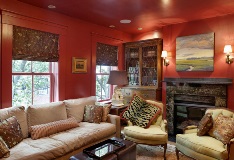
(106, 55)
(34, 45)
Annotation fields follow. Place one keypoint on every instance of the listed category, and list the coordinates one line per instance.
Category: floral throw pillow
(10, 131)
(4, 150)
(205, 124)
(93, 114)
(223, 128)
(105, 112)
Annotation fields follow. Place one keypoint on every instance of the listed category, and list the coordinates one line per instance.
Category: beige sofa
(64, 144)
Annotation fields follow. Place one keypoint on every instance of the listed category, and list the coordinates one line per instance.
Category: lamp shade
(118, 78)
(227, 49)
(164, 54)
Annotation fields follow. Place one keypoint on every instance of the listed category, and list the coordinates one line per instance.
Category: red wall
(224, 34)
(77, 38)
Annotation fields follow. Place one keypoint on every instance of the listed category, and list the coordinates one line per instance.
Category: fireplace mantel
(199, 80)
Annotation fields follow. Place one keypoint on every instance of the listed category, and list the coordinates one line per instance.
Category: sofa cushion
(105, 112)
(20, 114)
(44, 130)
(152, 135)
(4, 150)
(93, 113)
(10, 131)
(223, 128)
(43, 148)
(204, 145)
(45, 113)
(61, 143)
(75, 107)
(205, 124)
(86, 134)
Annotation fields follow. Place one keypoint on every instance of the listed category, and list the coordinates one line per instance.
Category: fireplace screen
(189, 110)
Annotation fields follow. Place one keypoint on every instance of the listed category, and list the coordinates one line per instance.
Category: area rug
(146, 152)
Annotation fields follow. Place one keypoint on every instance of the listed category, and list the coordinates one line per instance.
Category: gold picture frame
(79, 65)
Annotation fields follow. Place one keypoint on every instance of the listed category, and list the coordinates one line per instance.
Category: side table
(117, 110)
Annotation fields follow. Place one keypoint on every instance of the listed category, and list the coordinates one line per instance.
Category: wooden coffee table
(127, 153)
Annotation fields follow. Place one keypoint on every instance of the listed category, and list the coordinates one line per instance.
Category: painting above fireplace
(195, 52)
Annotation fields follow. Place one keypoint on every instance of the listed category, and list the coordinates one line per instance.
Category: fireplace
(189, 109)
(188, 98)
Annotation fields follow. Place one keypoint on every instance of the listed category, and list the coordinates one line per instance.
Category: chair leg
(165, 150)
(177, 154)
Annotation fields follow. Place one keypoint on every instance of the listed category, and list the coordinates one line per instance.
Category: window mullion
(32, 89)
(52, 83)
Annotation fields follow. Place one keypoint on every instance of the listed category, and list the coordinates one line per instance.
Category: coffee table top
(113, 156)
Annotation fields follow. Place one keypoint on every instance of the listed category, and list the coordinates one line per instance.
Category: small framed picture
(79, 65)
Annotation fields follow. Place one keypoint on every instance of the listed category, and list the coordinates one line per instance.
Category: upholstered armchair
(155, 134)
(213, 139)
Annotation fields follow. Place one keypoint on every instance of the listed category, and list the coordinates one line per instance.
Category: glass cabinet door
(149, 66)
(132, 65)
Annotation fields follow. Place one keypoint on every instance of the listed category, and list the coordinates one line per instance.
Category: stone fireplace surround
(214, 88)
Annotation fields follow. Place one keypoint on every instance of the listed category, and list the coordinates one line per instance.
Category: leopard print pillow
(147, 114)
(134, 107)
(140, 112)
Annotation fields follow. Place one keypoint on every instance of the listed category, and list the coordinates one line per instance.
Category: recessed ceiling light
(139, 28)
(51, 6)
(125, 21)
(112, 26)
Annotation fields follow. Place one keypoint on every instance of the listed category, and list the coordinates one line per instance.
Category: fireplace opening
(189, 109)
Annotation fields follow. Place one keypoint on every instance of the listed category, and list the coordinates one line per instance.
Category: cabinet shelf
(149, 56)
(148, 67)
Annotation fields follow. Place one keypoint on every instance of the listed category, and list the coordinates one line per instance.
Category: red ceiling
(148, 14)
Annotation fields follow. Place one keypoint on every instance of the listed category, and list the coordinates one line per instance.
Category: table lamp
(118, 78)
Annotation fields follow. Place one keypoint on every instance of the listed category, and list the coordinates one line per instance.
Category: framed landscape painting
(195, 52)
(79, 65)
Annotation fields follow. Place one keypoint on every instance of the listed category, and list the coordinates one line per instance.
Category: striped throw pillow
(44, 130)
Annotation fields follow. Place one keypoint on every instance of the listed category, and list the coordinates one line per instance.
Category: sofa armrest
(190, 129)
(164, 125)
(230, 148)
(114, 119)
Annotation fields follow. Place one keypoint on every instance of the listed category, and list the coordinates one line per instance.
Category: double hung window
(106, 60)
(34, 55)
(32, 82)
(103, 90)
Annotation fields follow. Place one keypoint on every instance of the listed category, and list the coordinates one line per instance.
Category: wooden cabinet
(143, 64)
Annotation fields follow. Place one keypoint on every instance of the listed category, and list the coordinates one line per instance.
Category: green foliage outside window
(30, 82)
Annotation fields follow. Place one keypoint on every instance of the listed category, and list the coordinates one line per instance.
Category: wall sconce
(165, 60)
(228, 51)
